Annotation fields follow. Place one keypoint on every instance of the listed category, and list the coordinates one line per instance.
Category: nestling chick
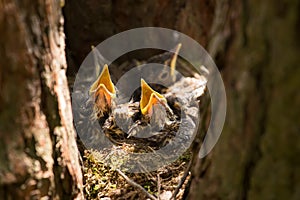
(103, 92)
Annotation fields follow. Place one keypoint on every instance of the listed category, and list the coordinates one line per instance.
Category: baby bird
(155, 113)
(103, 92)
(149, 98)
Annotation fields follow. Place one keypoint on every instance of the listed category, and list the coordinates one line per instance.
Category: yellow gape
(103, 91)
(149, 98)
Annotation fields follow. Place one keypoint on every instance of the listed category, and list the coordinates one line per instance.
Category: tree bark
(38, 153)
(257, 154)
(90, 22)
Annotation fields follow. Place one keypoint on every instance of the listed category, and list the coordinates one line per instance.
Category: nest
(109, 149)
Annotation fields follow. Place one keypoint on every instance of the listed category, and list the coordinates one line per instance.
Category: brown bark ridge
(38, 153)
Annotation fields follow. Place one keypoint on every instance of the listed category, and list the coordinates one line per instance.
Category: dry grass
(102, 182)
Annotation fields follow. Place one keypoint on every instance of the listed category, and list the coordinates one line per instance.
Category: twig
(182, 180)
(136, 185)
(158, 186)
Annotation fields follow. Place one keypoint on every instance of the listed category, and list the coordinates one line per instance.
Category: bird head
(103, 91)
(149, 98)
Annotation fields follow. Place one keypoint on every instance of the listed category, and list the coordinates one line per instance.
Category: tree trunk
(257, 156)
(255, 45)
(38, 153)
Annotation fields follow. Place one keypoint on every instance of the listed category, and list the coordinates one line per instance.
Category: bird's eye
(164, 75)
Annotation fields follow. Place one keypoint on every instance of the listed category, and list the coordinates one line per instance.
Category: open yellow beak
(149, 98)
(103, 90)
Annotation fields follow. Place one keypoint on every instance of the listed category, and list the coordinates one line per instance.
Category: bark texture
(256, 157)
(38, 153)
(255, 45)
(90, 22)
